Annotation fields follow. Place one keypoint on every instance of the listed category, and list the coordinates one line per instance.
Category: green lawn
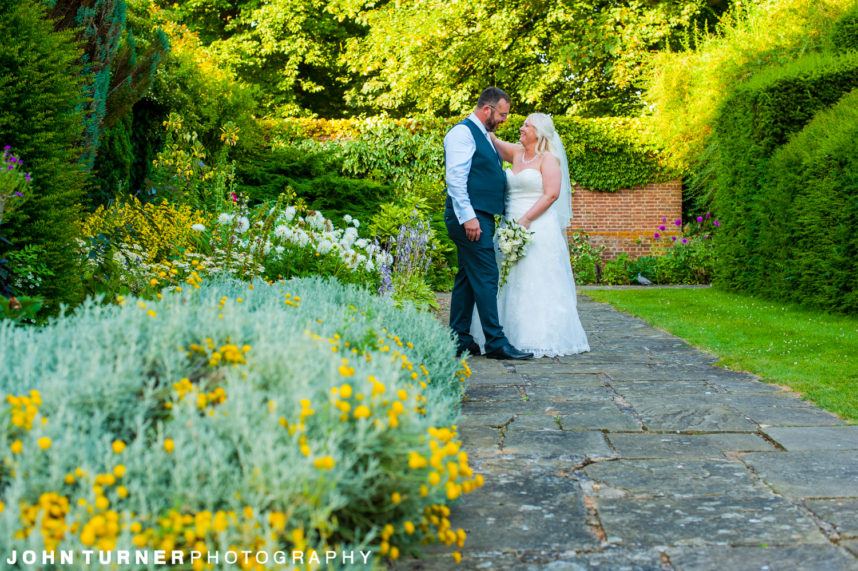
(813, 353)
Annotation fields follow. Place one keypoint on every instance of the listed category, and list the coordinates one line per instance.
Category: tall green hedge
(758, 118)
(40, 118)
(811, 202)
(844, 36)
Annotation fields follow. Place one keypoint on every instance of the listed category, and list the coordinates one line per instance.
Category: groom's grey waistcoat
(486, 181)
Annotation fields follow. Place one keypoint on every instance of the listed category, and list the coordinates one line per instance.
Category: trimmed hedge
(845, 33)
(810, 245)
(605, 154)
(757, 119)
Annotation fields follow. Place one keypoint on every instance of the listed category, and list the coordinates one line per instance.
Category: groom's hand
(472, 229)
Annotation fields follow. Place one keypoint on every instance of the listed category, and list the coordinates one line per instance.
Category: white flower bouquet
(512, 240)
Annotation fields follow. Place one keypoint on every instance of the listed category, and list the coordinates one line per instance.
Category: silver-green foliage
(106, 372)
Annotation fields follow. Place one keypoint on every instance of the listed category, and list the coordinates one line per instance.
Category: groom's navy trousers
(476, 282)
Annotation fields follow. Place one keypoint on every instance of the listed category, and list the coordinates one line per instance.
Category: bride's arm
(507, 151)
(550, 190)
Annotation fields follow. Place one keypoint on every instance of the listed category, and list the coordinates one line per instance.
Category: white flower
(198, 228)
(290, 213)
(279, 249)
(318, 221)
(324, 247)
(242, 224)
(224, 219)
(356, 222)
(369, 266)
(283, 232)
(347, 218)
(361, 243)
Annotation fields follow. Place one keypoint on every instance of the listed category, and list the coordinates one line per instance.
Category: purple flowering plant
(14, 183)
(687, 256)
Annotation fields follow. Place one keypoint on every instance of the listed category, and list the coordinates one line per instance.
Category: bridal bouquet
(512, 240)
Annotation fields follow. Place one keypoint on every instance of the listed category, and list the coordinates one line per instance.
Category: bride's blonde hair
(544, 127)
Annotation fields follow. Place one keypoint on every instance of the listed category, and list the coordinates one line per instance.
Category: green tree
(41, 81)
(288, 49)
(118, 75)
(576, 56)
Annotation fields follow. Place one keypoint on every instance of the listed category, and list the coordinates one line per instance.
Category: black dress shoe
(473, 349)
(509, 352)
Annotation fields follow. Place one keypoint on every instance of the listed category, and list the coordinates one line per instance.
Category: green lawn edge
(811, 352)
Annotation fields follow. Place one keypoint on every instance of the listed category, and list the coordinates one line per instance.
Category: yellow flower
(395, 497)
(346, 371)
(409, 527)
(324, 463)
(169, 445)
(122, 492)
(362, 412)
(118, 446)
(457, 557)
(345, 389)
(44, 442)
(17, 447)
(119, 470)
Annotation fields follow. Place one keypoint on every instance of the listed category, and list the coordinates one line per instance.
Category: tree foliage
(342, 57)
(41, 81)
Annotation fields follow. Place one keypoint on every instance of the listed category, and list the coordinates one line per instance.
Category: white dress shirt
(459, 149)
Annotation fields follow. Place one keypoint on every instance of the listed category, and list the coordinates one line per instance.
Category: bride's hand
(524, 221)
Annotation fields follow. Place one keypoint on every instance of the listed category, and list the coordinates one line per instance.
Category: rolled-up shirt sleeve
(459, 149)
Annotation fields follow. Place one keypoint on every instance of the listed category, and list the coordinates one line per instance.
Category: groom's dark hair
(491, 96)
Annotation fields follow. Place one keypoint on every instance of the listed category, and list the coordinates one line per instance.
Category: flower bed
(299, 416)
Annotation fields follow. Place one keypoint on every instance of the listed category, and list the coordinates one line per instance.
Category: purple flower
(11, 167)
(664, 219)
(700, 219)
(707, 215)
(678, 222)
(27, 176)
(685, 240)
(7, 147)
(674, 238)
(233, 196)
(656, 235)
(662, 227)
(716, 223)
(18, 194)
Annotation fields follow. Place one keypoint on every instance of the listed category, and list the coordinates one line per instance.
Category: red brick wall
(625, 221)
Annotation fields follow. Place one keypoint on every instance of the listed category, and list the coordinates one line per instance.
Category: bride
(537, 305)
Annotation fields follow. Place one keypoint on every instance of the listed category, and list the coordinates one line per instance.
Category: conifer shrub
(810, 205)
(844, 35)
(40, 99)
(759, 117)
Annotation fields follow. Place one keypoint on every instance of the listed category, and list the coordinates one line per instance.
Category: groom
(476, 184)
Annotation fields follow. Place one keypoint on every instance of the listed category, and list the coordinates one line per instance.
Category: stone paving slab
(534, 511)
(643, 455)
(815, 438)
(807, 473)
(648, 446)
(705, 520)
(672, 478)
(793, 558)
(841, 514)
(554, 443)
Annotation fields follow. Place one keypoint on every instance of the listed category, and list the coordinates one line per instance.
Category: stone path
(641, 455)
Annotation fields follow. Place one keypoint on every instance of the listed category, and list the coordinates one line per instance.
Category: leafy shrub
(314, 173)
(759, 117)
(40, 101)
(604, 154)
(807, 250)
(195, 433)
(586, 259)
(615, 271)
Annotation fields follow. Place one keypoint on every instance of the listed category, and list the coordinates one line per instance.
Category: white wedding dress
(537, 305)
